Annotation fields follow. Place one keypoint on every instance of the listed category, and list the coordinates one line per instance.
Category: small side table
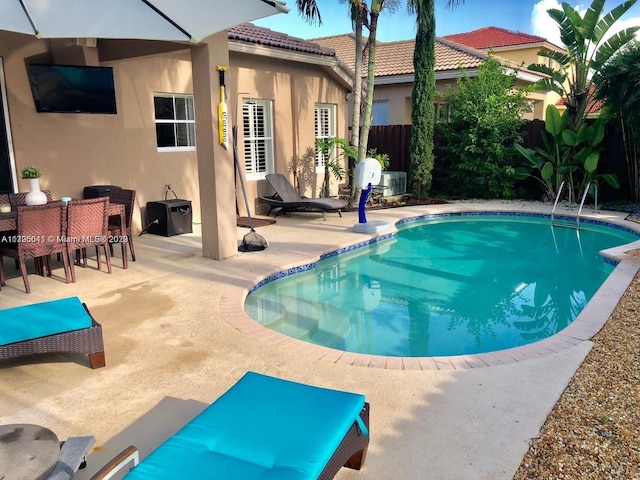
(27, 452)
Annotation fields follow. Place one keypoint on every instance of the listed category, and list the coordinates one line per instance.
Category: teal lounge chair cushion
(42, 319)
(261, 428)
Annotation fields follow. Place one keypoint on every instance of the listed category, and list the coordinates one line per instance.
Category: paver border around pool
(583, 328)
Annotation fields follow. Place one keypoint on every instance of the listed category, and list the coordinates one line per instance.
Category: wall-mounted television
(72, 88)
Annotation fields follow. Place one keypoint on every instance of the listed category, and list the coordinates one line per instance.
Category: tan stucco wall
(519, 56)
(294, 90)
(399, 97)
(75, 150)
(523, 57)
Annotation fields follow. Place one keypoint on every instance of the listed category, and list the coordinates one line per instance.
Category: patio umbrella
(173, 20)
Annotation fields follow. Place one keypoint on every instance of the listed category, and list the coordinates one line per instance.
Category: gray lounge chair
(287, 199)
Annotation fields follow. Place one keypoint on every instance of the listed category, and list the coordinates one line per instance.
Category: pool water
(447, 286)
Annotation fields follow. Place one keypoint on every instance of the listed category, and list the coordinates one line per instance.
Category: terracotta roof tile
(248, 32)
(396, 58)
(491, 37)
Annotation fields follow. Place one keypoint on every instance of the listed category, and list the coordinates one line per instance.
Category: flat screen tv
(72, 89)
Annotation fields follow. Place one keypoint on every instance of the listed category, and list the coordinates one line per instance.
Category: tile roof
(396, 58)
(248, 32)
(344, 45)
(491, 37)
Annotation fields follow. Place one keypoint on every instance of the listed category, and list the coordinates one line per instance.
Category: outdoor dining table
(9, 222)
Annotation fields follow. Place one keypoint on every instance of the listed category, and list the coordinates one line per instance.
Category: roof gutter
(409, 78)
(329, 62)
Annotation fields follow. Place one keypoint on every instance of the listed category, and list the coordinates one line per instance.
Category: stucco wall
(294, 89)
(399, 97)
(75, 150)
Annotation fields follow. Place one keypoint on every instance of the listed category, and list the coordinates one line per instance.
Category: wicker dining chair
(40, 232)
(117, 232)
(87, 227)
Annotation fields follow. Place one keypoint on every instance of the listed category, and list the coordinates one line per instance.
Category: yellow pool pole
(223, 116)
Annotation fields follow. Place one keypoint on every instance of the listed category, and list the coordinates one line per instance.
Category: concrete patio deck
(172, 347)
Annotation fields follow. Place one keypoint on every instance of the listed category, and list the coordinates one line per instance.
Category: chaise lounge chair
(58, 326)
(262, 427)
(287, 199)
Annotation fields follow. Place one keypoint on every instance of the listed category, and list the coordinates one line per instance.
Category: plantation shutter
(324, 128)
(258, 138)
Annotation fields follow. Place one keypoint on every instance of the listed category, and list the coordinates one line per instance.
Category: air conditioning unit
(395, 183)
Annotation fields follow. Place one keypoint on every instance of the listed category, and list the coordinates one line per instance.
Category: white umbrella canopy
(174, 20)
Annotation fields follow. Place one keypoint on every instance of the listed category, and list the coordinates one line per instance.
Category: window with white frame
(380, 112)
(175, 122)
(325, 126)
(258, 138)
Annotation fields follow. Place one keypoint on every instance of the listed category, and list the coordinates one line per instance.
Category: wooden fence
(395, 140)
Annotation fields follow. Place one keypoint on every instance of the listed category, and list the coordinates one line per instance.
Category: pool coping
(592, 318)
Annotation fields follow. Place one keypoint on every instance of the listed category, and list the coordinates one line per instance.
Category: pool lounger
(262, 427)
(287, 199)
(58, 326)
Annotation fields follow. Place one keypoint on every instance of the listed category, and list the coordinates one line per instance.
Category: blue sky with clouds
(527, 16)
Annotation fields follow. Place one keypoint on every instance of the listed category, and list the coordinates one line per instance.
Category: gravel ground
(593, 431)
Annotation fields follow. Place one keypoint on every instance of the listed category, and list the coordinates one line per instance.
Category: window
(258, 138)
(175, 122)
(443, 115)
(380, 112)
(325, 126)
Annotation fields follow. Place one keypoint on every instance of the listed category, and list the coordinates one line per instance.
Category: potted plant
(35, 195)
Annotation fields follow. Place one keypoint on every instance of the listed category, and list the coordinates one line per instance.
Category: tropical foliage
(588, 49)
(619, 87)
(568, 156)
(332, 150)
(572, 146)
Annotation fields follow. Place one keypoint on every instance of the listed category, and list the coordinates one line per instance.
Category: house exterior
(454, 60)
(517, 47)
(165, 131)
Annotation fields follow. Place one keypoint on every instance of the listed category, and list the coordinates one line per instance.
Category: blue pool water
(446, 286)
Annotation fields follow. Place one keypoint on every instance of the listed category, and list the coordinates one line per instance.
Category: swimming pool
(446, 285)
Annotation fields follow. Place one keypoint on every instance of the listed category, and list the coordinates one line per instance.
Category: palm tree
(359, 18)
(376, 8)
(422, 95)
(364, 16)
(309, 10)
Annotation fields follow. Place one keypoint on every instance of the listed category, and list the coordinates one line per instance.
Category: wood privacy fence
(395, 140)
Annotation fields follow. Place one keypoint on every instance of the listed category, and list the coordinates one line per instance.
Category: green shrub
(479, 140)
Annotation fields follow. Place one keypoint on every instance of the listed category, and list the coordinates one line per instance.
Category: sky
(528, 16)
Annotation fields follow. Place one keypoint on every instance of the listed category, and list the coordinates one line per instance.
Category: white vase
(35, 195)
